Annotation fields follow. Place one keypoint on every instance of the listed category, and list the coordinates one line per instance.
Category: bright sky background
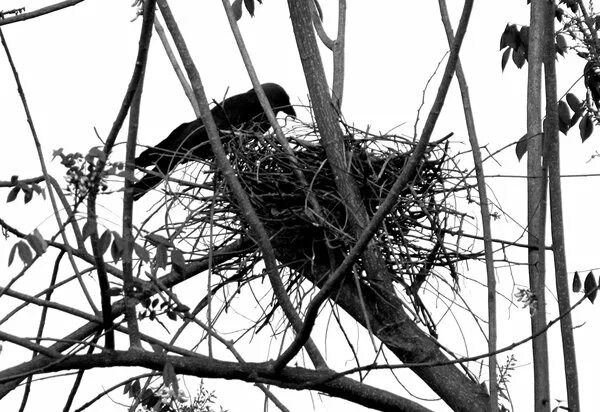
(75, 66)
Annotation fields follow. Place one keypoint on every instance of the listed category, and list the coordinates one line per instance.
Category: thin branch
(42, 161)
(224, 165)
(390, 200)
(536, 206)
(187, 89)
(552, 150)
(39, 12)
(485, 214)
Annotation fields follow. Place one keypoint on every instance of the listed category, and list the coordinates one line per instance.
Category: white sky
(75, 66)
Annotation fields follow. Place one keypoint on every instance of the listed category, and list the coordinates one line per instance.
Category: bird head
(279, 99)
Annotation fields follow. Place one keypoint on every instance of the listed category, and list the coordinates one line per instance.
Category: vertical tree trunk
(536, 206)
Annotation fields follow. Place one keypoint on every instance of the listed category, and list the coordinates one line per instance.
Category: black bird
(190, 141)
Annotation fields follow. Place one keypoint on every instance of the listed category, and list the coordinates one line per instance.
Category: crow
(189, 141)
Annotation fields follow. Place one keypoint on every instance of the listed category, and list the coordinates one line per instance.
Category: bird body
(190, 140)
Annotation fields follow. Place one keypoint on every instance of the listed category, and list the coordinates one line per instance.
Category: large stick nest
(412, 235)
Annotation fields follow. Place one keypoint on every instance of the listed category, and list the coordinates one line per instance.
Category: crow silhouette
(189, 141)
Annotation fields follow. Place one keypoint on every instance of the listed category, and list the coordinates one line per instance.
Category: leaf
(249, 6)
(237, 9)
(574, 103)
(576, 283)
(141, 253)
(135, 388)
(158, 240)
(87, 229)
(505, 56)
(509, 37)
(590, 287)
(11, 255)
(12, 195)
(28, 194)
(561, 42)
(117, 247)
(37, 242)
(104, 242)
(171, 315)
(564, 117)
(586, 127)
(521, 147)
(148, 398)
(518, 57)
(160, 259)
(177, 259)
(524, 35)
(24, 252)
(169, 377)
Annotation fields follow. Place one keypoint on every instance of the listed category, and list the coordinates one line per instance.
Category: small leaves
(561, 44)
(12, 195)
(586, 127)
(24, 252)
(104, 242)
(509, 37)
(524, 35)
(249, 6)
(177, 259)
(505, 57)
(37, 242)
(517, 40)
(158, 240)
(237, 9)
(574, 103)
(117, 247)
(521, 147)
(160, 259)
(87, 229)
(169, 377)
(518, 57)
(590, 287)
(11, 255)
(576, 286)
(141, 253)
(564, 117)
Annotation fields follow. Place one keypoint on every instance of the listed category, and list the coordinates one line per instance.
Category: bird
(189, 141)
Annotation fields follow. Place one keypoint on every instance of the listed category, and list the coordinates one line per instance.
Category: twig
(39, 12)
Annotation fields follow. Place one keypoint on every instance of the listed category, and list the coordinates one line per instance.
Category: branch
(203, 366)
(245, 205)
(536, 205)
(39, 12)
(485, 214)
(390, 200)
(552, 151)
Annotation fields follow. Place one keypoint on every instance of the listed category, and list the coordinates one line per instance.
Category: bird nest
(413, 235)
